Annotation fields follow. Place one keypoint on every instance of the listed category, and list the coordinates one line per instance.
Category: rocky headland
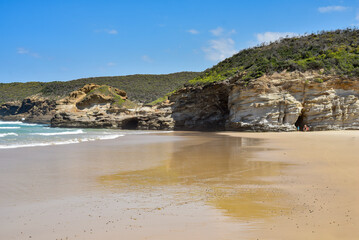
(311, 80)
(279, 102)
(33, 109)
(95, 106)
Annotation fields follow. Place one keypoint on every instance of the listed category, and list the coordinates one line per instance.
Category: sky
(59, 40)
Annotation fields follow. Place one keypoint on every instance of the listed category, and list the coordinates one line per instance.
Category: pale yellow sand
(323, 185)
(185, 186)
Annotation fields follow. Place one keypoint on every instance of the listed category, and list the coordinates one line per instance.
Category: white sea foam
(17, 123)
(59, 133)
(8, 122)
(10, 127)
(7, 134)
(71, 141)
(108, 137)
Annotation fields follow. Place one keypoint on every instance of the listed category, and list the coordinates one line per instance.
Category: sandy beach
(178, 185)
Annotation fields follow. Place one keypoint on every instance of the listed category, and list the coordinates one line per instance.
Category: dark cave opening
(131, 124)
(300, 123)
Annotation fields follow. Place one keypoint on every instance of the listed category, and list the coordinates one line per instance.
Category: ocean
(18, 134)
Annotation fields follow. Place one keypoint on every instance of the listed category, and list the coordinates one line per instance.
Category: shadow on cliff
(203, 108)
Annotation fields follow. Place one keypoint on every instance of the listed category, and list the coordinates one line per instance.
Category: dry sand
(185, 185)
(322, 185)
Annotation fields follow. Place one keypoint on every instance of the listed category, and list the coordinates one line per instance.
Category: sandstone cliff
(95, 106)
(279, 102)
(201, 107)
(288, 100)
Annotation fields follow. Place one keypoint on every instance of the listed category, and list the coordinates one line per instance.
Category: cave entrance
(300, 123)
(131, 124)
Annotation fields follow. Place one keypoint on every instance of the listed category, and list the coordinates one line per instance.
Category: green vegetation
(161, 99)
(334, 52)
(107, 91)
(113, 93)
(142, 88)
(19, 91)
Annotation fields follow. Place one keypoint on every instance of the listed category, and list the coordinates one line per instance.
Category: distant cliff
(95, 106)
(34, 109)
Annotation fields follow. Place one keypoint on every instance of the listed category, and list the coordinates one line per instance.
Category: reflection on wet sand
(219, 171)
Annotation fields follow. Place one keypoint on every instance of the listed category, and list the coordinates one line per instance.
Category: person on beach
(305, 128)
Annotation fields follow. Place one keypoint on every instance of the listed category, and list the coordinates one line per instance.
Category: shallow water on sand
(184, 186)
(218, 171)
(160, 184)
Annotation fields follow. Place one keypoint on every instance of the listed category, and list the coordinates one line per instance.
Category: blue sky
(62, 40)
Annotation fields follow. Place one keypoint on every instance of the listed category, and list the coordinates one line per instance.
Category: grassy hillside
(117, 97)
(143, 88)
(334, 51)
(19, 91)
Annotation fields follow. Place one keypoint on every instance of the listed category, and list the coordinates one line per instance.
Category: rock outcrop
(33, 110)
(9, 108)
(280, 102)
(95, 106)
(286, 101)
(201, 107)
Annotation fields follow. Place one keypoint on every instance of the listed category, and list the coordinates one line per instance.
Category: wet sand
(184, 185)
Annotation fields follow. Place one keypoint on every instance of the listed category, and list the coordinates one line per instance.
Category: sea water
(18, 134)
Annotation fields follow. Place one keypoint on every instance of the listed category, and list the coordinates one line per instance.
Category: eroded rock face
(33, 109)
(141, 118)
(201, 107)
(282, 102)
(9, 108)
(82, 110)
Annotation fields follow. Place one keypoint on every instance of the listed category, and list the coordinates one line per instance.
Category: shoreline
(203, 185)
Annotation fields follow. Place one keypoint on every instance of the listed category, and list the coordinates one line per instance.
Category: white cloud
(217, 32)
(232, 32)
(111, 64)
(22, 51)
(111, 31)
(146, 58)
(219, 49)
(193, 31)
(329, 9)
(221, 32)
(108, 31)
(25, 51)
(268, 37)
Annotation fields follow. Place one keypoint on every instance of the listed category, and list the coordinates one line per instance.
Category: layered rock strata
(286, 101)
(85, 109)
(281, 102)
(201, 107)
